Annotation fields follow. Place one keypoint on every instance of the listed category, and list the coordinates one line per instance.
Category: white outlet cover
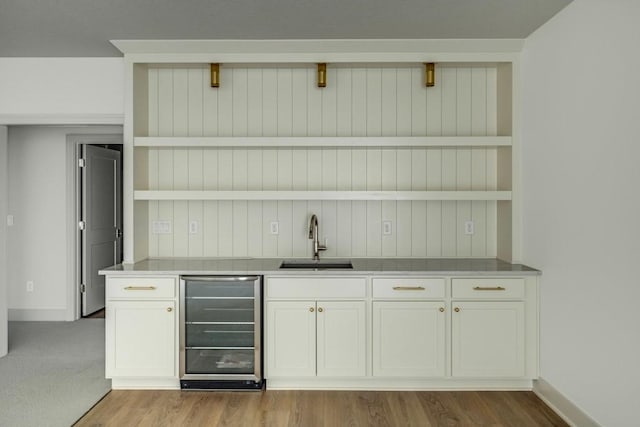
(194, 226)
(9, 220)
(161, 227)
(274, 227)
(387, 228)
(469, 227)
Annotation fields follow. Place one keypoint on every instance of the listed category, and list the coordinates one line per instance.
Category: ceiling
(82, 28)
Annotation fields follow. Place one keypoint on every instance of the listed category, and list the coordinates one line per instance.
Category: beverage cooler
(221, 332)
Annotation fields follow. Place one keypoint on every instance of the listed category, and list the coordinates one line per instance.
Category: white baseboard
(566, 409)
(35, 315)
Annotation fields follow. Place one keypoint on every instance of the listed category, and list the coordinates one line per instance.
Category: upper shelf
(324, 141)
(320, 195)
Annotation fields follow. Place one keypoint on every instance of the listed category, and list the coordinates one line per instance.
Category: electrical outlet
(469, 227)
(161, 227)
(194, 226)
(274, 227)
(30, 286)
(387, 228)
(9, 220)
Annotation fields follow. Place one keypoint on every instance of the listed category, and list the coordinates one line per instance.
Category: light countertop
(361, 266)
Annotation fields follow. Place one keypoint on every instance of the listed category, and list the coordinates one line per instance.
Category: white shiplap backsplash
(356, 102)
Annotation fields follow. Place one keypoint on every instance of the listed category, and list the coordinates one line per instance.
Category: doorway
(99, 213)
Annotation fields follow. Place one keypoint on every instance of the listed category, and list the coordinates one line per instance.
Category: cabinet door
(408, 339)
(291, 338)
(341, 332)
(488, 339)
(140, 339)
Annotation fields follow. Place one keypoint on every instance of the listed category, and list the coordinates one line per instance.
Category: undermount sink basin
(317, 265)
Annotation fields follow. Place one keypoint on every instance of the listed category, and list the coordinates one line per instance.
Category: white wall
(38, 238)
(581, 179)
(3, 241)
(358, 101)
(61, 86)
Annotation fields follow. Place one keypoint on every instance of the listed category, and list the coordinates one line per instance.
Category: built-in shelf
(321, 195)
(323, 141)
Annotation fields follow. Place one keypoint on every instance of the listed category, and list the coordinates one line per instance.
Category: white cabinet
(141, 324)
(316, 326)
(291, 338)
(488, 328)
(140, 339)
(409, 339)
(341, 340)
(409, 321)
(488, 339)
(316, 338)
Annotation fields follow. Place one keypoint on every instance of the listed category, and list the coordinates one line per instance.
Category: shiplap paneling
(280, 101)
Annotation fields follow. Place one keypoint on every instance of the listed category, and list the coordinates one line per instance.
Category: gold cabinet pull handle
(140, 288)
(311, 309)
(408, 288)
(169, 309)
(488, 288)
(320, 310)
(441, 309)
(456, 309)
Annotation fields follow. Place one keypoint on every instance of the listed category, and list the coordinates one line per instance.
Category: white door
(341, 338)
(140, 339)
(488, 339)
(101, 236)
(291, 338)
(409, 339)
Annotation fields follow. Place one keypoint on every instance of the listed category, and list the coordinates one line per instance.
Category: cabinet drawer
(141, 287)
(316, 287)
(409, 288)
(487, 288)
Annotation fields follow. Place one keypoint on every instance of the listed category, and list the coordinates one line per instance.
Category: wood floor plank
(279, 408)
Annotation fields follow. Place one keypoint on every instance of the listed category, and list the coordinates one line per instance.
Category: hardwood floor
(97, 315)
(320, 408)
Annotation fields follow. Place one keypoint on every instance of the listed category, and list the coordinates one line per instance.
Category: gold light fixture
(429, 74)
(215, 75)
(322, 75)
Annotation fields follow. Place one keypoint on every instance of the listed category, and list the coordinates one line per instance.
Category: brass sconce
(322, 75)
(215, 75)
(429, 74)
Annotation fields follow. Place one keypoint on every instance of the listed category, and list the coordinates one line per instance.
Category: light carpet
(53, 374)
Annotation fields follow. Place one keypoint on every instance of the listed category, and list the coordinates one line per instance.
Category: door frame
(4, 210)
(74, 207)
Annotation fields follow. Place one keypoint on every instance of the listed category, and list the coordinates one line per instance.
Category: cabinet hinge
(82, 225)
(81, 163)
(83, 288)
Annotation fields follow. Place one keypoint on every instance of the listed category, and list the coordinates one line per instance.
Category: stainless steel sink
(317, 265)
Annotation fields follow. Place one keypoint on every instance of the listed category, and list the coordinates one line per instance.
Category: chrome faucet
(314, 235)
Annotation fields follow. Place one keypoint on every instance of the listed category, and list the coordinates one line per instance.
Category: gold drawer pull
(140, 288)
(488, 288)
(170, 309)
(320, 310)
(408, 288)
(441, 309)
